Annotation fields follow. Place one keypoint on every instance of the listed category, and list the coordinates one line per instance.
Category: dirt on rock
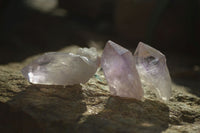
(90, 107)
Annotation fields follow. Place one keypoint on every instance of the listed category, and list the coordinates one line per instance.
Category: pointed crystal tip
(120, 71)
(124, 72)
(153, 71)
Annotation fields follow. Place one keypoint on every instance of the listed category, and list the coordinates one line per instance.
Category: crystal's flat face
(120, 71)
(62, 68)
(153, 71)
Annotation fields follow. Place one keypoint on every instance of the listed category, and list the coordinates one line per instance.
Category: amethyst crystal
(153, 71)
(120, 71)
(63, 68)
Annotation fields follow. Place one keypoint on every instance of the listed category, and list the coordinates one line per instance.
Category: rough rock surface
(90, 108)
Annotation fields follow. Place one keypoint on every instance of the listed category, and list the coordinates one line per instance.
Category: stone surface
(56, 68)
(120, 71)
(90, 107)
(153, 71)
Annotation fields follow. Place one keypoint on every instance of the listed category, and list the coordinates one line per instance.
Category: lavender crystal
(120, 71)
(153, 71)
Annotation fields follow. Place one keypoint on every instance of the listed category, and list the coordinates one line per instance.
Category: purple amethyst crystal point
(153, 71)
(57, 68)
(120, 71)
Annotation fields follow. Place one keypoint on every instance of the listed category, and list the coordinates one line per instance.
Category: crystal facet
(56, 68)
(153, 71)
(120, 71)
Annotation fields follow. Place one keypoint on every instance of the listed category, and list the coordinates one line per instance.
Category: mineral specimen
(57, 68)
(153, 71)
(120, 71)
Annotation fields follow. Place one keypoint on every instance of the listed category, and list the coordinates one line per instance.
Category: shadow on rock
(43, 109)
(128, 115)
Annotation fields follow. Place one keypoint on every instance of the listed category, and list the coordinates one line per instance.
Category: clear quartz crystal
(153, 71)
(120, 71)
(56, 68)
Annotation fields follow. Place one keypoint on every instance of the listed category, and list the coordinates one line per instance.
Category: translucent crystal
(120, 71)
(57, 68)
(153, 71)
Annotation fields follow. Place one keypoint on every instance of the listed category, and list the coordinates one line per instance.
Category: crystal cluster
(57, 68)
(120, 71)
(153, 71)
(124, 72)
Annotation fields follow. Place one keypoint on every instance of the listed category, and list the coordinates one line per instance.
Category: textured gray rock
(90, 107)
